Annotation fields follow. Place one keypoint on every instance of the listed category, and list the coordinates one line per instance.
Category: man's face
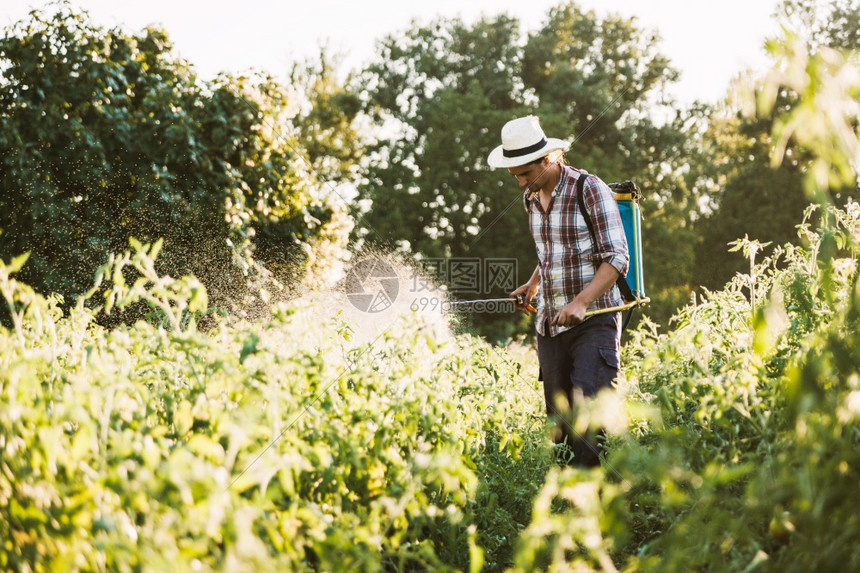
(531, 175)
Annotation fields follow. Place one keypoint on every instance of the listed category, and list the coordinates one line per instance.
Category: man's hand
(525, 294)
(571, 314)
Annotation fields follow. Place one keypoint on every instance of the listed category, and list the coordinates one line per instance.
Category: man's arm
(610, 242)
(574, 312)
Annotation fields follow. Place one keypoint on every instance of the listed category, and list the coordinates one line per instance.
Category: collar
(564, 175)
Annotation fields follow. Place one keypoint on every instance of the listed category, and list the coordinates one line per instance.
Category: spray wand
(521, 298)
(489, 303)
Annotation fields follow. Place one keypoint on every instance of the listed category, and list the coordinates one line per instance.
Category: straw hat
(523, 141)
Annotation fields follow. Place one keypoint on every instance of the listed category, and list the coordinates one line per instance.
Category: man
(575, 273)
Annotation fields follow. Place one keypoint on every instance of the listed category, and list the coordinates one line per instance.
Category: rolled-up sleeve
(609, 234)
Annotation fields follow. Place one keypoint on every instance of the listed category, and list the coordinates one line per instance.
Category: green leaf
(156, 249)
(199, 301)
(17, 263)
(249, 347)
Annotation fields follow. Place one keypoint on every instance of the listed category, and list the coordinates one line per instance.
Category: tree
(752, 198)
(106, 136)
(443, 91)
(597, 79)
(446, 89)
(325, 123)
(835, 24)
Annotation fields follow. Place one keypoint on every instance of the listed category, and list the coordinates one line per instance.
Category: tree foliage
(595, 80)
(753, 167)
(835, 23)
(325, 123)
(106, 136)
(439, 89)
(750, 199)
(448, 87)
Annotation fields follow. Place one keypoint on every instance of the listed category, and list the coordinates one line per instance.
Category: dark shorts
(577, 364)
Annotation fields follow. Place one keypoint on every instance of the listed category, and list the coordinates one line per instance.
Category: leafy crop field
(307, 442)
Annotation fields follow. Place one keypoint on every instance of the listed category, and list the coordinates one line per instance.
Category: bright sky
(709, 42)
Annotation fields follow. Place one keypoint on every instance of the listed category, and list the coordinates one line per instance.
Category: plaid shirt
(566, 256)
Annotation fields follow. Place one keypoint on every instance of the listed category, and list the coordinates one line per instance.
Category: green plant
(272, 445)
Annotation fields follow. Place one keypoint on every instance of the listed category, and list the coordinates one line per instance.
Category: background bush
(106, 136)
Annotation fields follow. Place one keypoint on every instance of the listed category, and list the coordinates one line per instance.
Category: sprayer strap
(626, 293)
